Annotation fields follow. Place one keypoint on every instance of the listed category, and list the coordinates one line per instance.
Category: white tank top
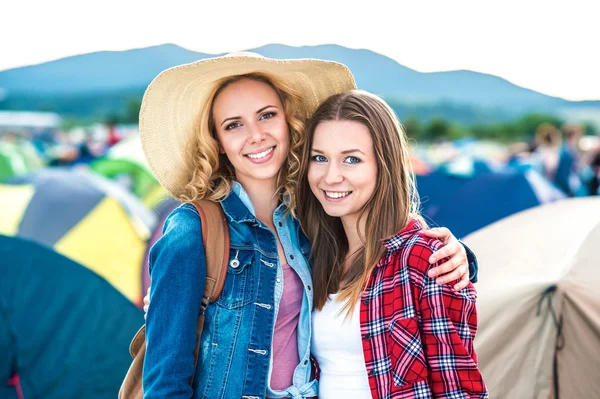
(337, 346)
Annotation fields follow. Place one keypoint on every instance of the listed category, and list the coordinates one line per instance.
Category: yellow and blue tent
(83, 216)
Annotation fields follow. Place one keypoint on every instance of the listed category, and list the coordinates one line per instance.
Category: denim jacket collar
(238, 207)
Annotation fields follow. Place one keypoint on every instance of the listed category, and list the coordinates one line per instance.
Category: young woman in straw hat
(228, 129)
(382, 328)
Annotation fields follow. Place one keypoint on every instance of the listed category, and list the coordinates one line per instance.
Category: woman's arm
(177, 268)
(448, 326)
(461, 265)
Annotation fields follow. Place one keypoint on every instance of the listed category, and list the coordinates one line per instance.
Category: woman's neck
(353, 235)
(263, 198)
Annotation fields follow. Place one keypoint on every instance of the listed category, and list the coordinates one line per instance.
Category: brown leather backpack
(215, 237)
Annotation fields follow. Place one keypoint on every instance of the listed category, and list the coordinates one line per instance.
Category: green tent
(30, 155)
(125, 163)
(12, 162)
(131, 175)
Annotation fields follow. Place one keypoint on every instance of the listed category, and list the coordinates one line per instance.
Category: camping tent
(64, 330)
(126, 159)
(12, 162)
(130, 175)
(491, 197)
(83, 216)
(437, 187)
(539, 301)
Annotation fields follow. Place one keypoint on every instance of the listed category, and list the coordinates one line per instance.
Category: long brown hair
(394, 201)
(213, 173)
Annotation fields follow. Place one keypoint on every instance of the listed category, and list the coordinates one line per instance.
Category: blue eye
(352, 160)
(267, 115)
(318, 158)
(233, 125)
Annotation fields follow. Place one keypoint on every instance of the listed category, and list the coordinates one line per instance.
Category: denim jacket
(236, 344)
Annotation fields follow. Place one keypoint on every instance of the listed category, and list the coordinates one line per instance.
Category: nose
(256, 133)
(333, 175)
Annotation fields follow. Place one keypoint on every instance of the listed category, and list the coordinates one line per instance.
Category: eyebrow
(239, 117)
(343, 152)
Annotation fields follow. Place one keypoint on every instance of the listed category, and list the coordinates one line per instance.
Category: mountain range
(101, 83)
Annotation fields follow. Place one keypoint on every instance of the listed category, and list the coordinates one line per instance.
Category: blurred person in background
(546, 156)
(594, 182)
(572, 133)
(567, 176)
(89, 150)
(113, 135)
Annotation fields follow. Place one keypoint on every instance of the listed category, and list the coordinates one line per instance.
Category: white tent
(539, 302)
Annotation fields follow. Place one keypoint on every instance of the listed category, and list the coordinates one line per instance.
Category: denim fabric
(473, 265)
(235, 351)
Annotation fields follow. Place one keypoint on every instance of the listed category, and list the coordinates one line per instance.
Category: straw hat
(174, 99)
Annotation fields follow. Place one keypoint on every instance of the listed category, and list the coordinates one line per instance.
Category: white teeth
(261, 154)
(337, 194)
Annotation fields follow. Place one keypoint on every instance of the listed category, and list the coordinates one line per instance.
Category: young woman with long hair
(382, 327)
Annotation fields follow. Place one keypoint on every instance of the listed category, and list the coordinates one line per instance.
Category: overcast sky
(549, 46)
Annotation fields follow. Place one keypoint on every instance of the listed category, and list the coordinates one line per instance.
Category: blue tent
(435, 188)
(491, 197)
(64, 330)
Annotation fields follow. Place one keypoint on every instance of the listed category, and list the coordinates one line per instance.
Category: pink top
(285, 337)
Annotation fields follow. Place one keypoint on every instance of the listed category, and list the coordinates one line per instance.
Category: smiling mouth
(261, 155)
(337, 194)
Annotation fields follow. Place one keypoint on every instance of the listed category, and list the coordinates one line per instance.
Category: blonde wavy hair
(213, 173)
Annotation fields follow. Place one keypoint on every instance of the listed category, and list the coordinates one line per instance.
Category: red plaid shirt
(418, 335)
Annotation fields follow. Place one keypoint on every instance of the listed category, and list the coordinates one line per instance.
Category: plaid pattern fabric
(418, 335)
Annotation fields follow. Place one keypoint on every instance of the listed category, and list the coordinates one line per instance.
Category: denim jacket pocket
(406, 352)
(238, 289)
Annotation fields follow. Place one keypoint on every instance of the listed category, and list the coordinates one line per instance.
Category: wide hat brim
(173, 101)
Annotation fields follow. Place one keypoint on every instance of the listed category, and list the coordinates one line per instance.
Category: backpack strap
(215, 237)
